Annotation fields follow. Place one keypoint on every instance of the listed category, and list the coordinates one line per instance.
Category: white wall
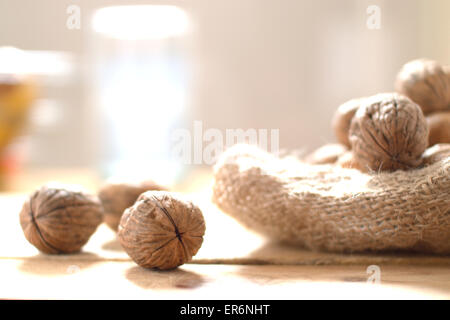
(256, 63)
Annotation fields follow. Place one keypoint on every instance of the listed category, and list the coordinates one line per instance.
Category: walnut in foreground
(388, 132)
(60, 220)
(161, 230)
(116, 197)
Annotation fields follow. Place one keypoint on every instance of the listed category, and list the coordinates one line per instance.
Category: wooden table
(233, 263)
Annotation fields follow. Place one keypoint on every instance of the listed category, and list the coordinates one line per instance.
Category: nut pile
(392, 131)
(158, 229)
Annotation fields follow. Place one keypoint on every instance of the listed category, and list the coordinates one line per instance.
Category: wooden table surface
(233, 263)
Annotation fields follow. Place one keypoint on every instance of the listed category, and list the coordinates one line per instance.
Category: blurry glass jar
(139, 88)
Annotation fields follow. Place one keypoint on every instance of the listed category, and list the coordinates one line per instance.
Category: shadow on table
(170, 279)
(42, 264)
(284, 262)
(275, 253)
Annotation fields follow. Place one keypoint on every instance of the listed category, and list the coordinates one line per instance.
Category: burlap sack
(325, 207)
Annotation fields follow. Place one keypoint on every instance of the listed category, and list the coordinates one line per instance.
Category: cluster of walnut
(158, 229)
(392, 131)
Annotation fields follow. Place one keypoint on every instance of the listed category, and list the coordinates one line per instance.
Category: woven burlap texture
(325, 207)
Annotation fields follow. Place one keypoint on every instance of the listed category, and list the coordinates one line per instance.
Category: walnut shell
(426, 83)
(436, 153)
(59, 219)
(388, 132)
(161, 230)
(328, 153)
(342, 119)
(116, 197)
(439, 127)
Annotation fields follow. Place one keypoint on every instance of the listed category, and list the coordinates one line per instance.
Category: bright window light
(140, 22)
(28, 62)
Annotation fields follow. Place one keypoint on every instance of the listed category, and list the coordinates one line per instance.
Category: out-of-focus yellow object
(16, 98)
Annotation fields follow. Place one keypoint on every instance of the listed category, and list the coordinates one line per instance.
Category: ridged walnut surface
(388, 132)
(116, 197)
(426, 83)
(161, 230)
(325, 207)
(58, 220)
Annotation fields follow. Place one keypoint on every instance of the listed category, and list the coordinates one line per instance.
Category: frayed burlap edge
(325, 207)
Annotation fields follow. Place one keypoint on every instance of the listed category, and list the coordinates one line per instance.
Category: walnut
(328, 153)
(436, 153)
(161, 230)
(342, 119)
(388, 132)
(59, 219)
(426, 83)
(116, 197)
(439, 127)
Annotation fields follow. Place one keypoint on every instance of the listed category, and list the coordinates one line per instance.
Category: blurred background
(95, 88)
